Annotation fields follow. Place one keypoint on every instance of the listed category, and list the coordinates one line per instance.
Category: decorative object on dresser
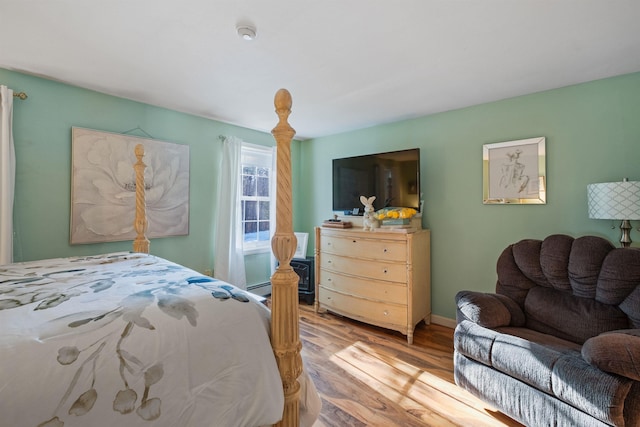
(380, 278)
(369, 221)
(615, 201)
(336, 223)
(396, 218)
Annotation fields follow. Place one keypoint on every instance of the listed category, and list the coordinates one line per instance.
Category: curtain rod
(21, 95)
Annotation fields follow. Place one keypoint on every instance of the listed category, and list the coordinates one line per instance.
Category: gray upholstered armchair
(558, 343)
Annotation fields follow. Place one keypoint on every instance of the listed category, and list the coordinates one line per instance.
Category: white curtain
(228, 264)
(7, 175)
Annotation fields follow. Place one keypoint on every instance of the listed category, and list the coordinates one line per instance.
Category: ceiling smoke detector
(246, 32)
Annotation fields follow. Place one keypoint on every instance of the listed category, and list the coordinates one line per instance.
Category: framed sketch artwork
(103, 187)
(514, 172)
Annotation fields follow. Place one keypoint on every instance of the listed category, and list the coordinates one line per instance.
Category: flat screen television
(393, 177)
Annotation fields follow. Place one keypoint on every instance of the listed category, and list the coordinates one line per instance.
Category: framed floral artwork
(514, 172)
(103, 187)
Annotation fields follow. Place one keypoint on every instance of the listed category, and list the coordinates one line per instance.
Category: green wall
(42, 136)
(592, 134)
(592, 131)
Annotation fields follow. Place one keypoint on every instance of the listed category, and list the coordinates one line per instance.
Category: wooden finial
(283, 100)
(283, 132)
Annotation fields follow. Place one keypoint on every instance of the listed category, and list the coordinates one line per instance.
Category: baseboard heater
(262, 289)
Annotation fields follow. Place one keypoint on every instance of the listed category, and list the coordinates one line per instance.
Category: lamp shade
(614, 200)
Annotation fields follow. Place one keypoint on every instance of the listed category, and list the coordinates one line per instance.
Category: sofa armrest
(488, 310)
(616, 352)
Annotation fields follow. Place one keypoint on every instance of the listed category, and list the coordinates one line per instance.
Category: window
(256, 199)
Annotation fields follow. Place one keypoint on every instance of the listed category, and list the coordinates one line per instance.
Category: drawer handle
(386, 313)
(329, 262)
(354, 241)
(385, 271)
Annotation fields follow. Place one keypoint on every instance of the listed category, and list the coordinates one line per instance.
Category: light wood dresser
(378, 277)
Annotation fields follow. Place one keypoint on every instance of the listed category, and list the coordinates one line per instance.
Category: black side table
(307, 284)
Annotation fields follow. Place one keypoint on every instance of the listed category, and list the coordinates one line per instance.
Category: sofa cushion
(529, 355)
(520, 352)
(619, 277)
(592, 390)
(488, 310)
(546, 340)
(585, 262)
(555, 252)
(474, 341)
(587, 268)
(631, 306)
(617, 352)
(518, 400)
(527, 361)
(573, 318)
(512, 282)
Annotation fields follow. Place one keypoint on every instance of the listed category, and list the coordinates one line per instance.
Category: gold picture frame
(514, 172)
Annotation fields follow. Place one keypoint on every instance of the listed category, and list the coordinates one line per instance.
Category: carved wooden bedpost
(141, 243)
(285, 331)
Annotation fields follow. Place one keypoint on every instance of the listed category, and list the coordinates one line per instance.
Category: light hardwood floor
(369, 376)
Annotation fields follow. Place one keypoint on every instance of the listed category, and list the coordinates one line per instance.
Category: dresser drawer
(363, 247)
(375, 312)
(378, 270)
(376, 290)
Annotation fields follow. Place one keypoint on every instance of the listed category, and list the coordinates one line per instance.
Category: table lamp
(615, 201)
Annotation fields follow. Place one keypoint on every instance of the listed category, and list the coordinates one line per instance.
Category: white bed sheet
(135, 340)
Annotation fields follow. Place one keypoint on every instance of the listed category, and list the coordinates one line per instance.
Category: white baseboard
(443, 321)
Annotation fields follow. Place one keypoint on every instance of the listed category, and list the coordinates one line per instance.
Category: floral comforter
(135, 340)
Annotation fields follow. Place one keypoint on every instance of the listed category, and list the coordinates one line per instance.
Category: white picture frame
(514, 172)
(301, 248)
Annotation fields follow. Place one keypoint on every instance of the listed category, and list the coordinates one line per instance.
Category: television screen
(393, 177)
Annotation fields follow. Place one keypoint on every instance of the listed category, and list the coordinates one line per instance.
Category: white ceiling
(348, 64)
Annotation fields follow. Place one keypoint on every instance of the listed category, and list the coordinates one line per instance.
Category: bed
(129, 338)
